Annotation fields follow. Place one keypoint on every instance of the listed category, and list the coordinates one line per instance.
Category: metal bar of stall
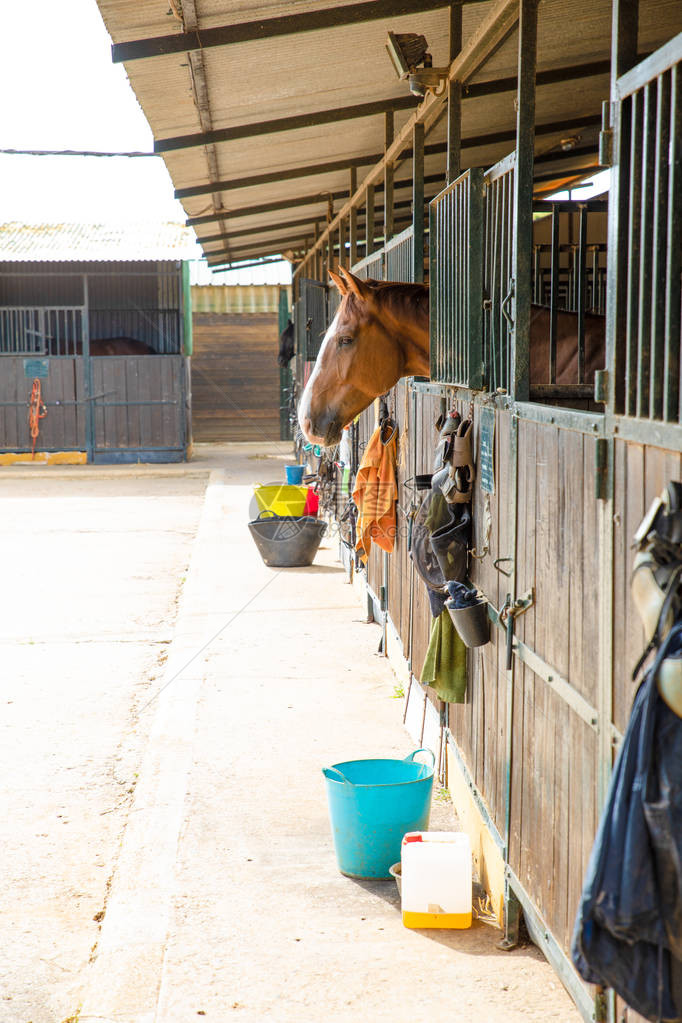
(646, 253)
(474, 297)
(554, 295)
(581, 296)
(658, 271)
(634, 157)
(672, 410)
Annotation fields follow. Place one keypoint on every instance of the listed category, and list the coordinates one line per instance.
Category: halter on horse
(381, 333)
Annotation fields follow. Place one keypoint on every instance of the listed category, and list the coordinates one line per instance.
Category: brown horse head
(380, 333)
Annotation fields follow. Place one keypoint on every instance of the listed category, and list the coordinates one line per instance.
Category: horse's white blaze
(304, 404)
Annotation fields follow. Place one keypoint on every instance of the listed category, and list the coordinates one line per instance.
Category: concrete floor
(192, 771)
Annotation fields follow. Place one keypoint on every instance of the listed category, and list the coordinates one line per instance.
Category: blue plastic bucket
(294, 474)
(372, 804)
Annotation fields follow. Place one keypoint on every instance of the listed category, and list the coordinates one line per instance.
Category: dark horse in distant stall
(381, 333)
(119, 346)
(287, 345)
(102, 346)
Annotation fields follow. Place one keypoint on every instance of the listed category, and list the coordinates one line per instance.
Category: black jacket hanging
(628, 933)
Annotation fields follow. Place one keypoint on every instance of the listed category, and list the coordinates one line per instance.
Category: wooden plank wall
(142, 403)
(554, 750)
(63, 429)
(235, 377)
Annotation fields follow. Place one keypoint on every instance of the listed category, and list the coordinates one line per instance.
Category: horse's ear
(356, 285)
(339, 282)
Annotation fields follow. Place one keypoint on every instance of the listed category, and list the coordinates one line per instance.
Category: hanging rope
(36, 411)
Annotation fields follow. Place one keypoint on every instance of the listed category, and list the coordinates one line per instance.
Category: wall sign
(36, 368)
(486, 448)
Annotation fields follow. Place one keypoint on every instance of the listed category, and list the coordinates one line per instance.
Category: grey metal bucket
(287, 541)
(471, 623)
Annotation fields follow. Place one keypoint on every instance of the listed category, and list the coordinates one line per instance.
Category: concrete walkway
(225, 899)
(227, 902)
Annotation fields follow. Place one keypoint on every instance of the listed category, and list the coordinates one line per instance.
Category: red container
(312, 503)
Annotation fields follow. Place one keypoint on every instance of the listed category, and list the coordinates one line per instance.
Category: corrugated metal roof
(20, 242)
(266, 79)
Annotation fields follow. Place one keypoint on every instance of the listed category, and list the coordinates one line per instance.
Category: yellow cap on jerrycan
(436, 879)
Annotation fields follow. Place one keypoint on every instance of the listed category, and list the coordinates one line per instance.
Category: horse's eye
(345, 340)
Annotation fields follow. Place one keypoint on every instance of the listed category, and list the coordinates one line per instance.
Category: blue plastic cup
(294, 474)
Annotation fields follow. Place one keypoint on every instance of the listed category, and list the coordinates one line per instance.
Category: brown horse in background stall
(381, 333)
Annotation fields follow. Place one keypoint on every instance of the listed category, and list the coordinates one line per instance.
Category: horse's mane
(404, 299)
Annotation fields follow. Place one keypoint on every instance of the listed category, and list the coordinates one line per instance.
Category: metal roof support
(267, 28)
(353, 221)
(624, 30)
(418, 202)
(312, 170)
(267, 207)
(309, 120)
(454, 162)
(243, 266)
(389, 131)
(342, 242)
(484, 42)
(369, 220)
(522, 239)
(253, 248)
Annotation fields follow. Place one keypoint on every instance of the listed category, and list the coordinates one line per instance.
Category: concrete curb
(125, 975)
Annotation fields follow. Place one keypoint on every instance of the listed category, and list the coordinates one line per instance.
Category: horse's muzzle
(326, 430)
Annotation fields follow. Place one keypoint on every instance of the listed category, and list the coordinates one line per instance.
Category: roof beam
(263, 229)
(290, 174)
(474, 141)
(311, 170)
(239, 265)
(268, 28)
(309, 120)
(274, 245)
(268, 207)
(401, 217)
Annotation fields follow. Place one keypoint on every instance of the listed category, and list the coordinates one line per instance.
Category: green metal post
(188, 336)
(523, 199)
(418, 202)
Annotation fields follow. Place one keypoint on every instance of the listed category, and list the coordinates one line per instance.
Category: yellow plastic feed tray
(281, 498)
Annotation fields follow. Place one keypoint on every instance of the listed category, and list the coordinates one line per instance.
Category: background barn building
(66, 290)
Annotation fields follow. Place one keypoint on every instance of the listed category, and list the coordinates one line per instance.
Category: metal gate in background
(125, 408)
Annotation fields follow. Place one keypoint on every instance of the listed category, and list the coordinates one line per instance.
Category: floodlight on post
(407, 52)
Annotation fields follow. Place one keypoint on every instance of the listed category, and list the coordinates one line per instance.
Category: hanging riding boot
(448, 428)
(459, 486)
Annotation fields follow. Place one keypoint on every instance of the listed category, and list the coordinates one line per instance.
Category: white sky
(61, 91)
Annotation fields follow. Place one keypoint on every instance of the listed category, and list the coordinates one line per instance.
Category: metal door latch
(511, 610)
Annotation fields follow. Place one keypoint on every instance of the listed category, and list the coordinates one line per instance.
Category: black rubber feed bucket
(471, 623)
(287, 541)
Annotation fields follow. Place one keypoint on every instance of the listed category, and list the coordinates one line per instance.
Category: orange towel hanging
(36, 411)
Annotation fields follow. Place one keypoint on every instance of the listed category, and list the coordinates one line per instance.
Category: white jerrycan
(436, 879)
